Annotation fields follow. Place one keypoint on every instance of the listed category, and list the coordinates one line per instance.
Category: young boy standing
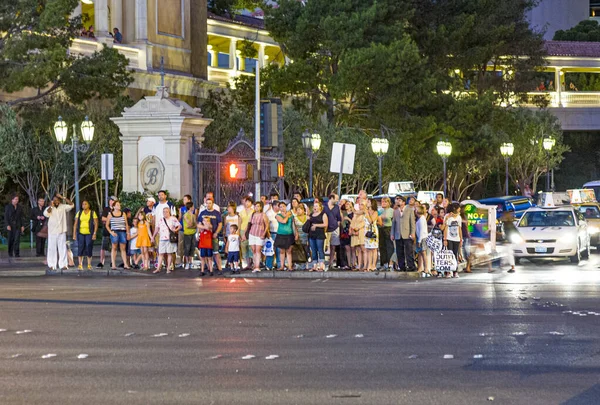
(205, 244)
(232, 248)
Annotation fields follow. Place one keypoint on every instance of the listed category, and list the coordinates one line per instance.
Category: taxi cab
(552, 232)
(584, 201)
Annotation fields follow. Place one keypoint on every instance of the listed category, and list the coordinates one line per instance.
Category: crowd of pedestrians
(360, 235)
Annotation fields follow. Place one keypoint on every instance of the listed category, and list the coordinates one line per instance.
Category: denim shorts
(233, 257)
(120, 238)
(206, 252)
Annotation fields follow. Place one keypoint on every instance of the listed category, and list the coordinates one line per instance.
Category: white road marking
(299, 336)
(82, 356)
(555, 333)
(413, 356)
(2, 330)
(360, 335)
(519, 334)
(160, 335)
(326, 280)
(129, 334)
(330, 336)
(248, 281)
(272, 357)
(183, 335)
(233, 280)
(448, 356)
(48, 356)
(478, 356)
(316, 281)
(248, 357)
(14, 356)
(218, 356)
(20, 332)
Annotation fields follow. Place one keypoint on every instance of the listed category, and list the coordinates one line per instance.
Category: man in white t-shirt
(209, 196)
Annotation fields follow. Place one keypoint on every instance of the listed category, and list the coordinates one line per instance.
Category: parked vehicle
(594, 185)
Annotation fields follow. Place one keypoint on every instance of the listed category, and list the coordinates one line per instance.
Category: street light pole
(444, 149)
(380, 159)
(548, 143)
(311, 142)
(445, 160)
(507, 150)
(87, 132)
(310, 173)
(380, 147)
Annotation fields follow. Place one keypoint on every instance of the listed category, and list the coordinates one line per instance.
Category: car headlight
(516, 238)
(592, 230)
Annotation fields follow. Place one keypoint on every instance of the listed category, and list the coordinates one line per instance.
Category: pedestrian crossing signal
(237, 171)
(280, 170)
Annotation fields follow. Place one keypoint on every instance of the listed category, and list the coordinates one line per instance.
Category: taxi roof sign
(580, 196)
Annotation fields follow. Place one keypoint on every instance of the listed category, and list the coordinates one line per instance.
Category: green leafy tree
(489, 42)
(34, 54)
(585, 31)
(318, 36)
(526, 129)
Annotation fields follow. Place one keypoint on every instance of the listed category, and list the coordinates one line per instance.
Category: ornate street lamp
(87, 133)
(444, 149)
(507, 149)
(311, 142)
(380, 147)
(548, 143)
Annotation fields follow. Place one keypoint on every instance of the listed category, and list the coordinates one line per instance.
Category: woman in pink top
(259, 229)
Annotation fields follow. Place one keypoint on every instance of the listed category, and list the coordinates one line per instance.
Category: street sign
(342, 161)
(342, 158)
(107, 170)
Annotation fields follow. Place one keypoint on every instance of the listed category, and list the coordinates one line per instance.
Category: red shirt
(205, 240)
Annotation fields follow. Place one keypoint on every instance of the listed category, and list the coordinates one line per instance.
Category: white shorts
(166, 247)
(255, 241)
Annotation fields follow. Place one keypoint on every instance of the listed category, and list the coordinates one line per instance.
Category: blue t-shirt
(215, 218)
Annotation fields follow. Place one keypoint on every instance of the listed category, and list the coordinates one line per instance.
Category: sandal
(156, 271)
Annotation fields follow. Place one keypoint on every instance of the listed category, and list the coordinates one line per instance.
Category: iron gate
(210, 171)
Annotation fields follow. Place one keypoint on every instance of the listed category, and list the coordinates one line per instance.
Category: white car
(552, 232)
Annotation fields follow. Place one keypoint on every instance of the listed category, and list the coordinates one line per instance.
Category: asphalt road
(525, 338)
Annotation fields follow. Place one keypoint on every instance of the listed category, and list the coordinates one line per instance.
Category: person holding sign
(453, 231)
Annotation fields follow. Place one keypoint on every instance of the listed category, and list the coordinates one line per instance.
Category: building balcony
(566, 99)
(137, 55)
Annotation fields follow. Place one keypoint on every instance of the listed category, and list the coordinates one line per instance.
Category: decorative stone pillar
(156, 134)
(116, 15)
(101, 28)
(214, 56)
(233, 54)
(261, 55)
(141, 21)
(558, 86)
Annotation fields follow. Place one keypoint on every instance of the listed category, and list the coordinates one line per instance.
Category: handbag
(370, 234)
(43, 233)
(306, 227)
(173, 236)
(445, 261)
(249, 226)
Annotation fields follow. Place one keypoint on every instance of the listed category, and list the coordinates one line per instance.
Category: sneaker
(256, 271)
(99, 266)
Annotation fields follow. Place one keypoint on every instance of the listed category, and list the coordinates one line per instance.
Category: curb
(300, 274)
(71, 273)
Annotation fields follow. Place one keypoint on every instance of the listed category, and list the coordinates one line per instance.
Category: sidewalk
(336, 274)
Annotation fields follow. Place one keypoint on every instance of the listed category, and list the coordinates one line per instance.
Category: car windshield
(547, 218)
(590, 212)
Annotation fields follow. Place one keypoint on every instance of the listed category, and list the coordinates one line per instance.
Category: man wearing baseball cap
(106, 244)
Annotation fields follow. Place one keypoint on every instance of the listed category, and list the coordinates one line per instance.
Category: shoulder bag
(173, 236)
